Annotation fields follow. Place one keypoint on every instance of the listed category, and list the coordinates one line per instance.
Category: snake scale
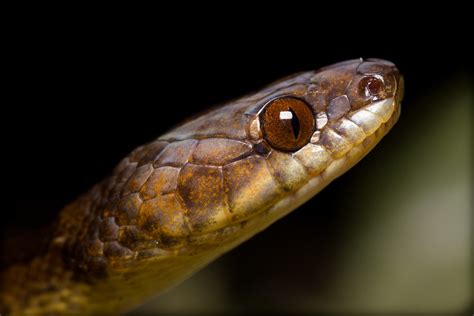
(177, 203)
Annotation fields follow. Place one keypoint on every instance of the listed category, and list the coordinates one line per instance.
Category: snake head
(215, 180)
(319, 124)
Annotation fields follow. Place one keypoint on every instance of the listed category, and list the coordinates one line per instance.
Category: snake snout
(400, 90)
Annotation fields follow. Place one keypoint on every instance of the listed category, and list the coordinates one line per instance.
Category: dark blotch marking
(262, 148)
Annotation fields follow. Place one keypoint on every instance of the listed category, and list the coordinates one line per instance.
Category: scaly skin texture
(177, 203)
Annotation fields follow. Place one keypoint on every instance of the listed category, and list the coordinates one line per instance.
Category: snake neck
(49, 274)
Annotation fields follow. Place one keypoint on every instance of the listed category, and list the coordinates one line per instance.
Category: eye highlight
(287, 123)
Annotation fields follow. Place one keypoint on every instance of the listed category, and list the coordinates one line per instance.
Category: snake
(177, 203)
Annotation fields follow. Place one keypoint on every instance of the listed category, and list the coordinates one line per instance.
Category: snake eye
(287, 123)
(371, 86)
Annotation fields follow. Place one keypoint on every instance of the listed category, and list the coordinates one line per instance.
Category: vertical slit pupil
(295, 124)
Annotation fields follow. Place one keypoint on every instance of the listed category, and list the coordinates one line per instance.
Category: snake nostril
(370, 86)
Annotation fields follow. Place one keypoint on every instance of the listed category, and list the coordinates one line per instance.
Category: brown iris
(287, 123)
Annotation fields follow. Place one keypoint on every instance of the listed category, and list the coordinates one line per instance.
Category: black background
(88, 95)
